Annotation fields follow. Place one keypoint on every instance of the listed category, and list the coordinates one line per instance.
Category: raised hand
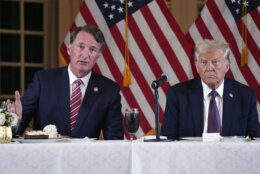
(18, 104)
(15, 106)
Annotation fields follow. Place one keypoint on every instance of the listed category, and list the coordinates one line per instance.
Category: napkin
(211, 137)
(151, 137)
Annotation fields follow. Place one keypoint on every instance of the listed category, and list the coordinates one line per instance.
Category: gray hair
(94, 31)
(206, 45)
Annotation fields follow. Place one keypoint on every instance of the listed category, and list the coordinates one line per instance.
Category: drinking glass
(131, 121)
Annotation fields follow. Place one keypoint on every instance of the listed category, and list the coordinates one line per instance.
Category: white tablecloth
(99, 157)
(196, 158)
(125, 157)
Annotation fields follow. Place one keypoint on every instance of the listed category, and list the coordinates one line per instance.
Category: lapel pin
(231, 95)
(95, 89)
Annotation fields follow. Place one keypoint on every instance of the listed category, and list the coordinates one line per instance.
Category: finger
(17, 96)
(18, 104)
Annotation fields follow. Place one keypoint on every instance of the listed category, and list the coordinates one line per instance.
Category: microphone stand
(157, 120)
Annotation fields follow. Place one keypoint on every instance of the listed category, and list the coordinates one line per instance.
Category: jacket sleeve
(113, 129)
(171, 116)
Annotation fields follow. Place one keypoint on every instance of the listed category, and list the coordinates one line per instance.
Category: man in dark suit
(187, 108)
(49, 97)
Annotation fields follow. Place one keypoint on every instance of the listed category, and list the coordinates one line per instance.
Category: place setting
(49, 134)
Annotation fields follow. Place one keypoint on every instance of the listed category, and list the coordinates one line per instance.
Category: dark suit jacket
(47, 99)
(183, 115)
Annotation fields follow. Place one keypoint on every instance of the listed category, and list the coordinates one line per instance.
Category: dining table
(83, 156)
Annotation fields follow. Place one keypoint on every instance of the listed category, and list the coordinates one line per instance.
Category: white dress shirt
(206, 101)
(83, 86)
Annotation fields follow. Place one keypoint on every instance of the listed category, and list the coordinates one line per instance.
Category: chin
(84, 71)
(211, 82)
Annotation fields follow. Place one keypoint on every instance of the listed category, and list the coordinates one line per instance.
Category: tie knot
(213, 93)
(78, 82)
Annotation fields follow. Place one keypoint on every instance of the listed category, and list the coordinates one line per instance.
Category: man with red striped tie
(79, 101)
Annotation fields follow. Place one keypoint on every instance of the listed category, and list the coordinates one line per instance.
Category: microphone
(157, 83)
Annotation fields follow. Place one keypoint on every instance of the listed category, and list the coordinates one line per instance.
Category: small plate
(81, 140)
(20, 140)
(236, 139)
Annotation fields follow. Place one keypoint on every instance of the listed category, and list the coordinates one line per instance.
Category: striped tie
(75, 102)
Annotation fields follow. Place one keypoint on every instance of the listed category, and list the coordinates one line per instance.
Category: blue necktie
(213, 117)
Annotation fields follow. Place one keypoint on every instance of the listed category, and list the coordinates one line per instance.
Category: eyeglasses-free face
(212, 67)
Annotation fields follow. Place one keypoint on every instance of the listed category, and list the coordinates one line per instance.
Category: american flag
(156, 45)
(222, 20)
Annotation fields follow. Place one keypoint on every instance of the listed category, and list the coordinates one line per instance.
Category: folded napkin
(150, 137)
(211, 137)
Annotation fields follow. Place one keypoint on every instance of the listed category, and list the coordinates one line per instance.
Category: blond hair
(206, 45)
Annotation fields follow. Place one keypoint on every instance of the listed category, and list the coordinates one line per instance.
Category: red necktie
(213, 117)
(75, 102)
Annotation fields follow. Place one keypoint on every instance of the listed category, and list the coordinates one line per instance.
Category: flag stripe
(141, 60)
(256, 16)
(175, 30)
(136, 72)
(155, 48)
(252, 28)
(63, 50)
(177, 41)
(173, 60)
(251, 44)
(204, 32)
(146, 51)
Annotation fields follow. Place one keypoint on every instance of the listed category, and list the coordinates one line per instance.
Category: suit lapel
(196, 103)
(228, 103)
(62, 93)
(89, 98)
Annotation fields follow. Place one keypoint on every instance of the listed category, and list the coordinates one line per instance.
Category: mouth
(210, 76)
(83, 62)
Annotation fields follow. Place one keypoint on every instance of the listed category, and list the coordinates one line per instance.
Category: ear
(98, 55)
(227, 65)
(69, 49)
(196, 65)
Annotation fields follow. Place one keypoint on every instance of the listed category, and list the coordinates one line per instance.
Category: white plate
(236, 139)
(80, 140)
(37, 140)
(225, 139)
(57, 140)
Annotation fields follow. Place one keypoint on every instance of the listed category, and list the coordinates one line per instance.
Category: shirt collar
(207, 90)
(84, 79)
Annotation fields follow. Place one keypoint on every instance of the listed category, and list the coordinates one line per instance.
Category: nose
(85, 53)
(209, 66)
